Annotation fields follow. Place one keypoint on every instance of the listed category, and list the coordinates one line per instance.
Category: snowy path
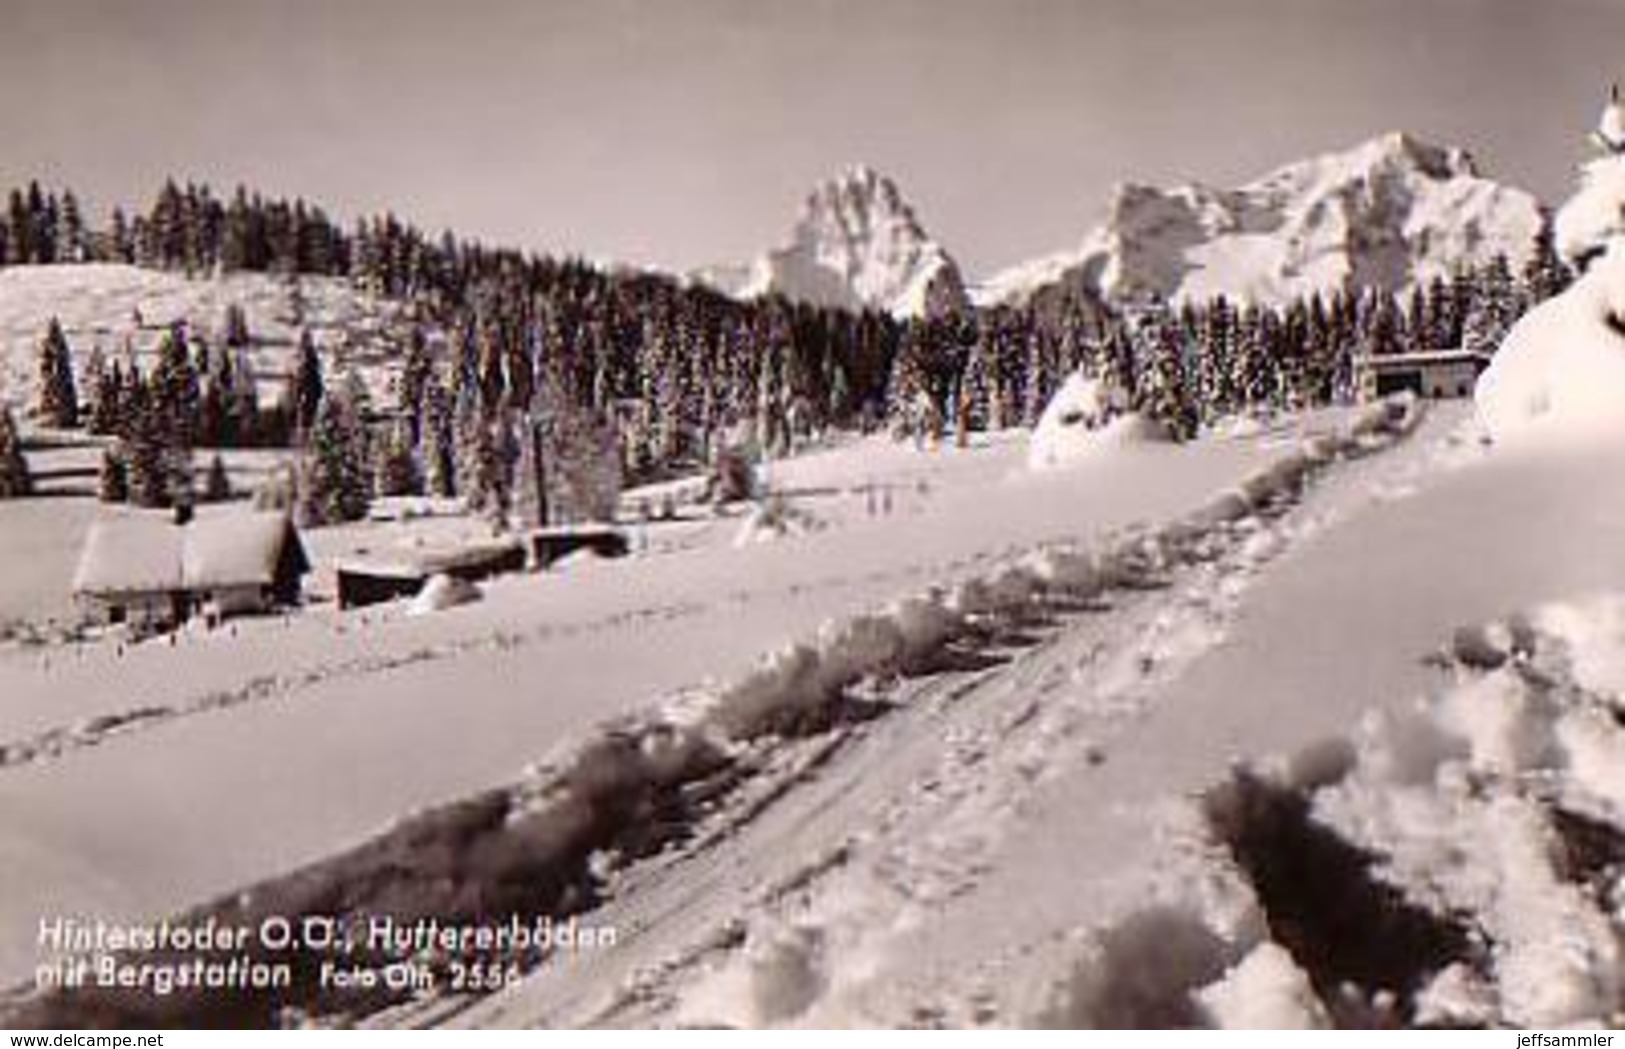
(929, 872)
(1022, 846)
(186, 807)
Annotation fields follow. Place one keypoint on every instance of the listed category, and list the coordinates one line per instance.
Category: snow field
(639, 783)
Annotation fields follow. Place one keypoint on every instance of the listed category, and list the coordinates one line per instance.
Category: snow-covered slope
(1428, 830)
(857, 245)
(118, 308)
(1388, 213)
(1559, 376)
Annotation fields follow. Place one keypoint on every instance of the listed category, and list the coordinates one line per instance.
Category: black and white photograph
(879, 514)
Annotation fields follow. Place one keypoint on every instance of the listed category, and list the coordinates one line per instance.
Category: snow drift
(1596, 212)
(1559, 377)
(442, 592)
(1084, 417)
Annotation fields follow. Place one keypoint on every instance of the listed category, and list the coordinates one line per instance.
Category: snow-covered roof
(144, 552)
(234, 549)
(427, 561)
(131, 552)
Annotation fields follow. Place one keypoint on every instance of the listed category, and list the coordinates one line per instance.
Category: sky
(677, 133)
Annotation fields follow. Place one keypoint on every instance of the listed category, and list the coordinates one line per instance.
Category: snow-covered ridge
(1389, 213)
(857, 245)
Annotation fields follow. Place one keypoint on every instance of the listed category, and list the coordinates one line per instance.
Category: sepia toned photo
(657, 514)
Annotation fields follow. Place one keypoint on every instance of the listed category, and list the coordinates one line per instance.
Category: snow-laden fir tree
(974, 396)
(1215, 376)
(1245, 383)
(71, 245)
(1442, 315)
(1164, 393)
(106, 387)
(398, 472)
(1493, 309)
(143, 450)
(306, 393)
(1381, 326)
(15, 479)
(1039, 378)
(413, 380)
(910, 404)
(58, 396)
(437, 441)
(175, 390)
(334, 481)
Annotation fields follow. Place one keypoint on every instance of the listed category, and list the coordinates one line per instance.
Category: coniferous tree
(113, 478)
(175, 392)
(479, 474)
(1215, 367)
(413, 381)
(1164, 393)
(308, 389)
(58, 395)
(1545, 273)
(20, 222)
(70, 231)
(217, 483)
(437, 441)
(335, 485)
(234, 333)
(398, 472)
(106, 397)
(1493, 309)
(908, 391)
(120, 244)
(975, 393)
(143, 453)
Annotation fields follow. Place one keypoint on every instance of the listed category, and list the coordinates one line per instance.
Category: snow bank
(1455, 863)
(1266, 991)
(1559, 377)
(442, 592)
(1596, 213)
(778, 976)
(1500, 799)
(1083, 418)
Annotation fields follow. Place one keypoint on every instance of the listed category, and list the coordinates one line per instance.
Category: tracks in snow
(697, 771)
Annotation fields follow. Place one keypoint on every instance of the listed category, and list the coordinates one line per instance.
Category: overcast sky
(680, 132)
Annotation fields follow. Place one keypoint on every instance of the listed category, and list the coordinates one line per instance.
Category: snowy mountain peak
(1389, 213)
(856, 245)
